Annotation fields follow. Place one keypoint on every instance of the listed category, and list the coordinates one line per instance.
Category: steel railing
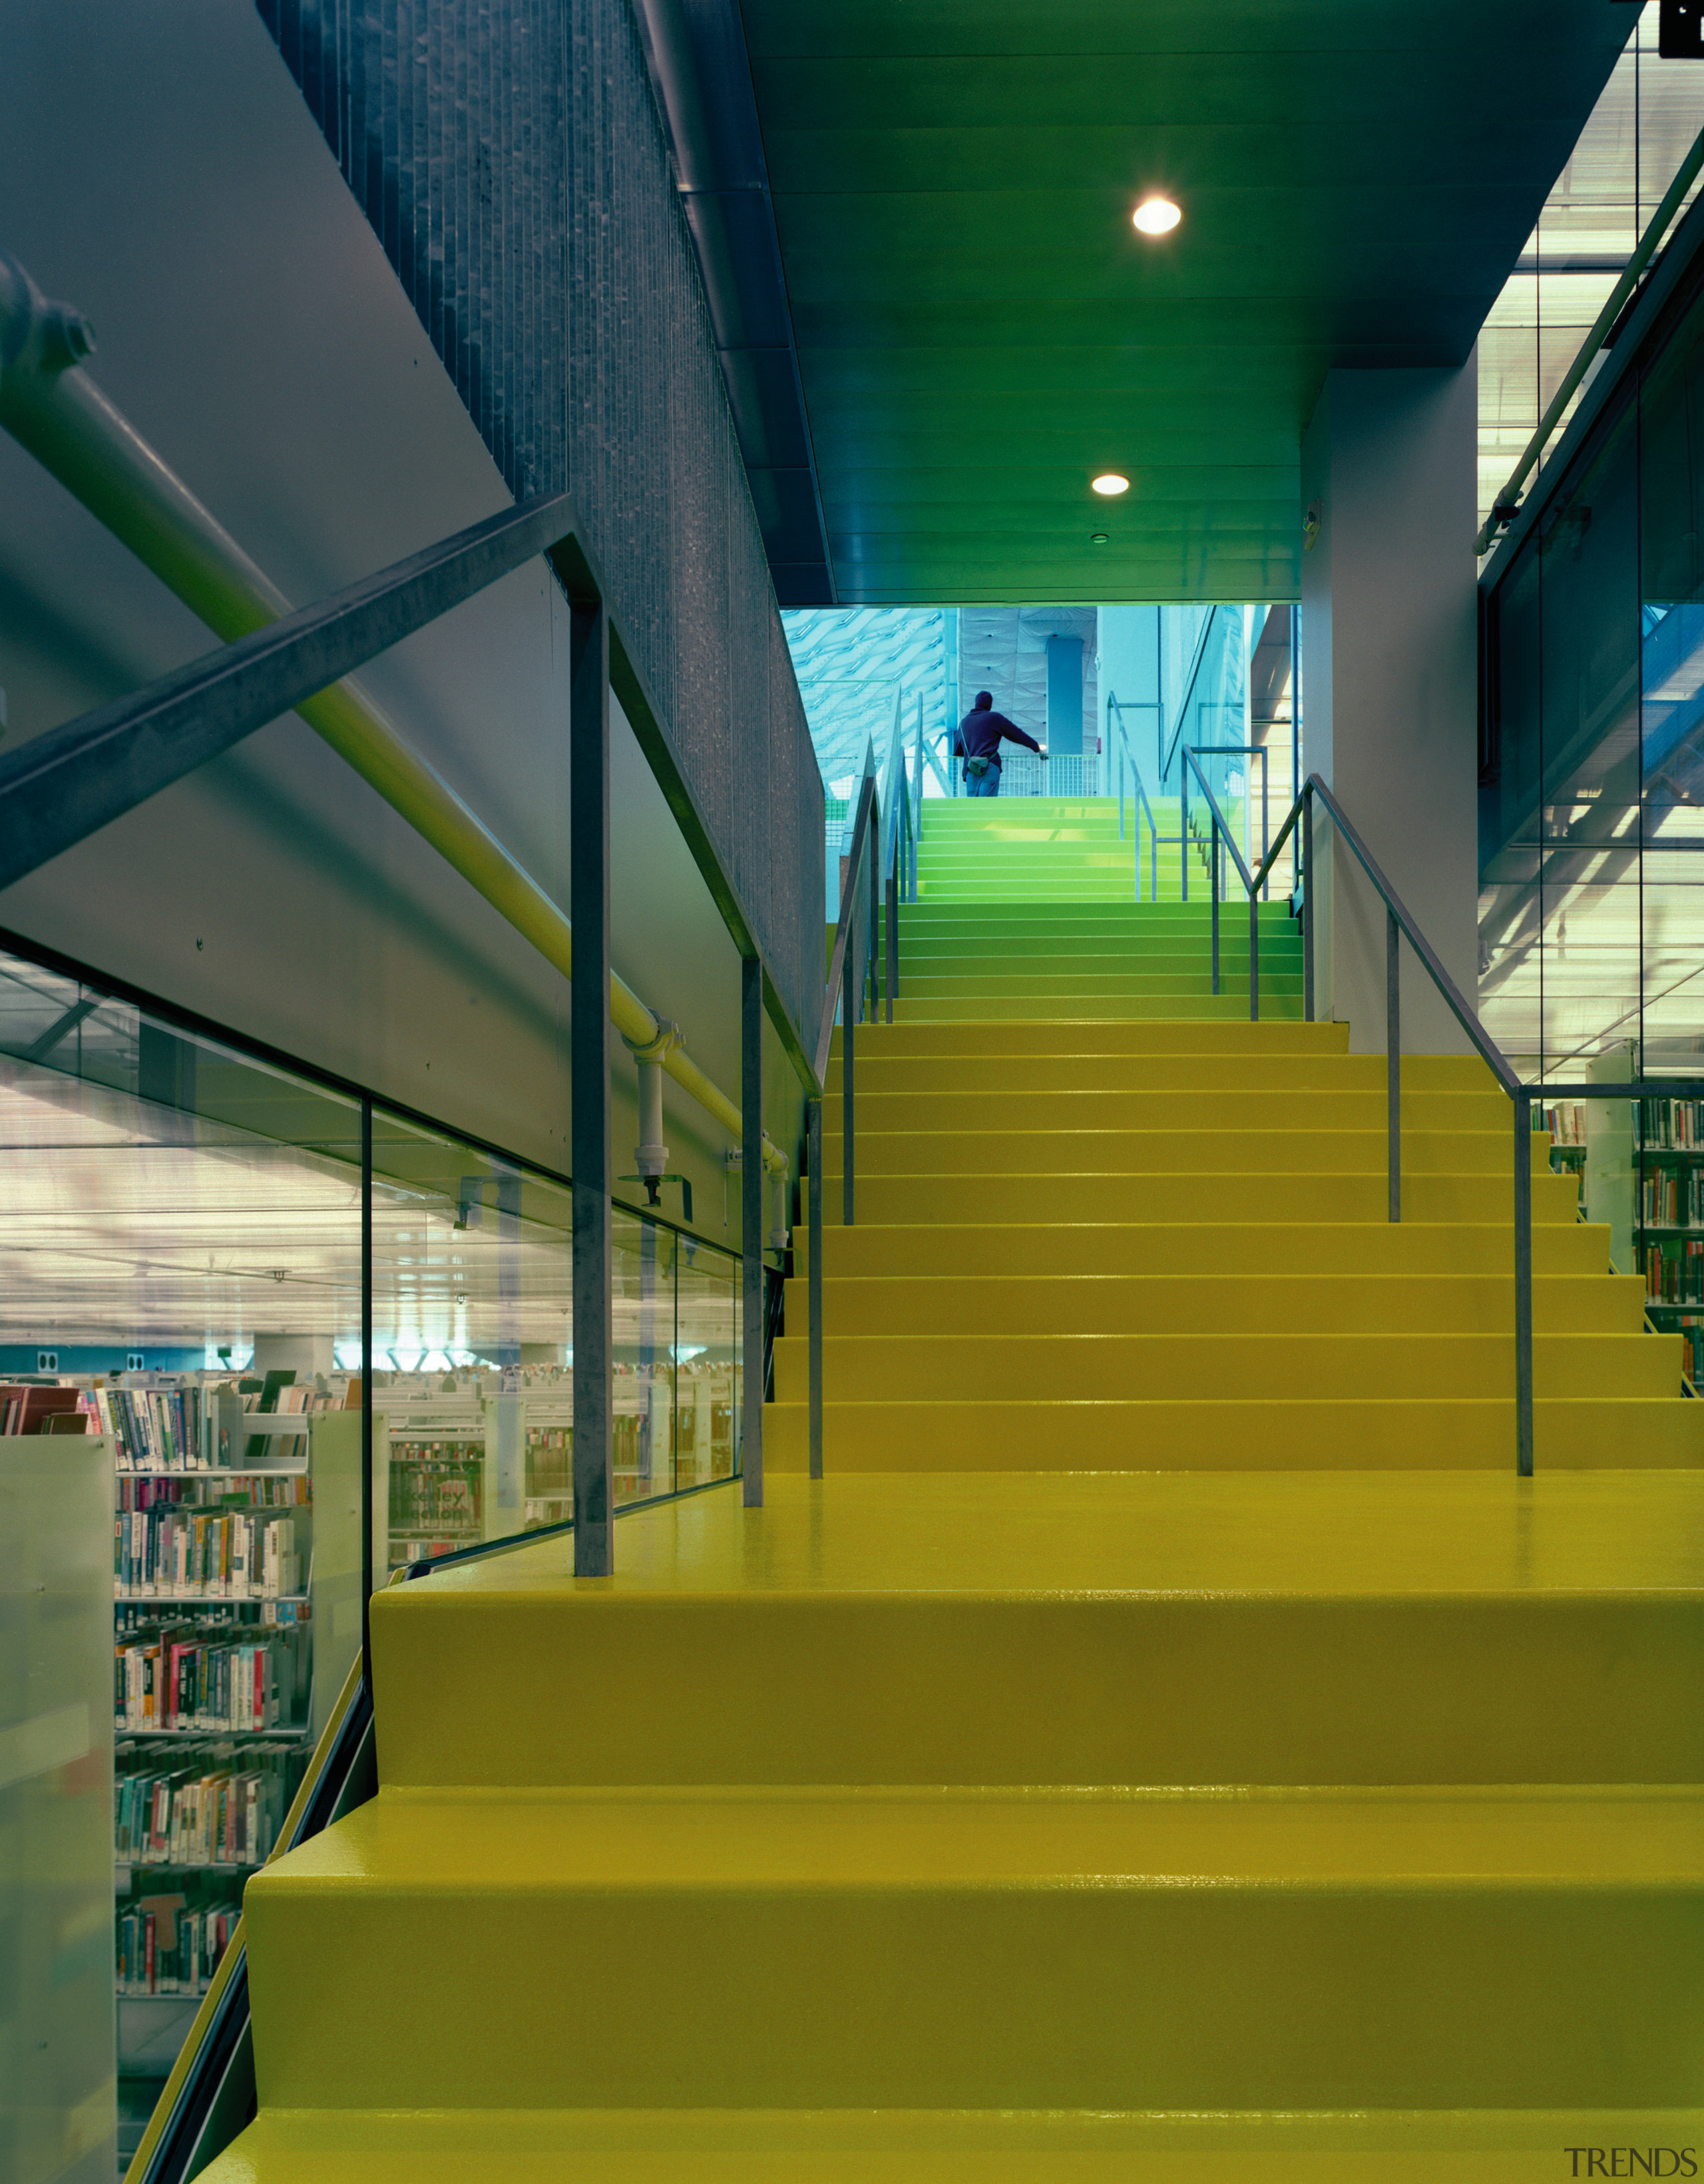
(1115, 710)
(1400, 926)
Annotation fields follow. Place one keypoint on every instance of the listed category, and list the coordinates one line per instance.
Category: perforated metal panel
(509, 156)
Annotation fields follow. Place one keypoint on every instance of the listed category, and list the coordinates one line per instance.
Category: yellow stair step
(1152, 1626)
(998, 2146)
(1070, 1948)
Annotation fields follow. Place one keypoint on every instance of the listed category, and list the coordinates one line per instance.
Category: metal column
(1308, 908)
(751, 1227)
(588, 1019)
(1524, 1287)
(814, 1156)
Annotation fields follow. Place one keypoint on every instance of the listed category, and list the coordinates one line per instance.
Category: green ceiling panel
(979, 329)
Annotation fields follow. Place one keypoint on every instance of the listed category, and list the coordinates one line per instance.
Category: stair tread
(720, 2145)
(551, 1841)
(1000, 1534)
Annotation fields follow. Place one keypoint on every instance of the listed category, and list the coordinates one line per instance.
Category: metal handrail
(1188, 693)
(1114, 704)
(1400, 925)
(1221, 824)
(1244, 750)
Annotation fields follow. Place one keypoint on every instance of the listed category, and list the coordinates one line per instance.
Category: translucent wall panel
(56, 1776)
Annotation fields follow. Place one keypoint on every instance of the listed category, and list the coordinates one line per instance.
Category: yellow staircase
(1169, 1743)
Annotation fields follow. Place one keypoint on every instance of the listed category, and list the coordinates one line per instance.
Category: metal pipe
(1523, 1286)
(59, 415)
(589, 1141)
(1213, 878)
(847, 1013)
(1393, 1066)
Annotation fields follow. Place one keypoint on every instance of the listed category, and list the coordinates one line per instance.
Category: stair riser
(950, 1307)
(1169, 975)
(1280, 1249)
(1097, 1008)
(980, 1106)
(1160, 1150)
(1236, 1036)
(996, 1200)
(953, 1688)
(1067, 1369)
(1091, 1076)
(1112, 1996)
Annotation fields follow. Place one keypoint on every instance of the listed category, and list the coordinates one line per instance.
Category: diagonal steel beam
(62, 786)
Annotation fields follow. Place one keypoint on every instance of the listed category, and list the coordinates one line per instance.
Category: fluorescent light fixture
(1110, 483)
(1155, 216)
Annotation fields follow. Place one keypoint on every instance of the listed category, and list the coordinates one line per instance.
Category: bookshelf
(457, 1464)
(236, 1584)
(1669, 1220)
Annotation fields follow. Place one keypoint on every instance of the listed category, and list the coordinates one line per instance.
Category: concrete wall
(1390, 685)
(160, 170)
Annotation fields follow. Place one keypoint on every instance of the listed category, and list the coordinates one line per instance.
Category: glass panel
(180, 1276)
(56, 1882)
(1672, 629)
(473, 1347)
(707, 1351)
(1589, 815)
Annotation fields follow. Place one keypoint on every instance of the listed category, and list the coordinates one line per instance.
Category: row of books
(1675, 1277)
(1672, 1198)
(173, 1951)
(152, 1428)
(208, 1810)
(179, 1679)
(1692, 1334)
(436, 1494)
(229, 1489)
(168, 1553)
(1565, 1122)
(1672, 1125)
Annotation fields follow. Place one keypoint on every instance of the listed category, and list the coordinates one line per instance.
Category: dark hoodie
(979, 733)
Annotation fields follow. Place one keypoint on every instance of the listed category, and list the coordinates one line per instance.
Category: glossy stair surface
(1169, 1741)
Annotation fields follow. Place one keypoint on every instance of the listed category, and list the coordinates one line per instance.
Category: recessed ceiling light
(1155, 216)
(1110, 483)
(1099, 537)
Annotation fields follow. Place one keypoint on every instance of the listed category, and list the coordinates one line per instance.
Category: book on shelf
(178, 1678)
(167, 1947)
(1669, 1198)
(1671, 1125)
(1566, 1123)
(1675, 1276)
(26, 1408)
(170, 1552)
(209, 1809)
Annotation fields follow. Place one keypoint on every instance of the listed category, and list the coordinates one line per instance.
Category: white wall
(160, 170)
(1389, 686)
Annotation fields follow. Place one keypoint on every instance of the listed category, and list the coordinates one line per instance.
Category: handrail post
(751, 1284)
(588, 1082)
(1213, 878)
(1308, 907)
(847, 1013)
(893, 914)
(871, 876)
(1523, 1286)
(1182, 829)
(814, 1155)
(1393, 1068)
(1253, 956)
